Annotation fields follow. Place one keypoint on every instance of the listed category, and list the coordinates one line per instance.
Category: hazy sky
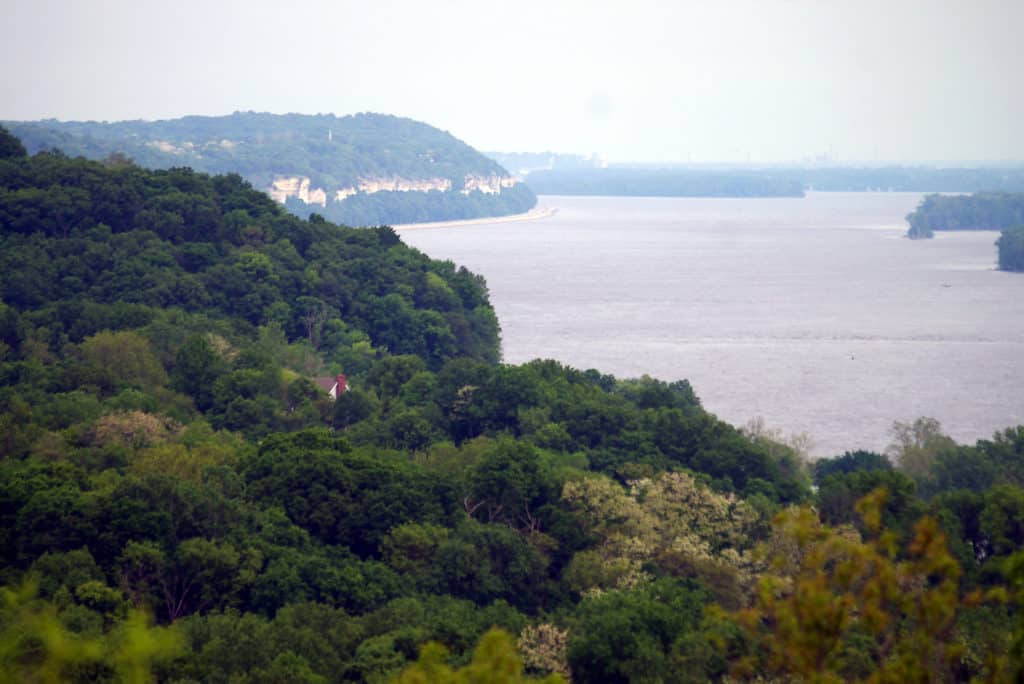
(635, 80)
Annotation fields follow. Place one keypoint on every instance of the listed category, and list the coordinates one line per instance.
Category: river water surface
(815, 314)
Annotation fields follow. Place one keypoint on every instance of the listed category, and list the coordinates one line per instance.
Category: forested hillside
(366, 169)
(179, 499)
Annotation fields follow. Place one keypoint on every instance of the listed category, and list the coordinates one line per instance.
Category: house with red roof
(333, 386)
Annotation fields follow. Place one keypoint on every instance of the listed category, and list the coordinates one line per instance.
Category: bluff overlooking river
(366, 169)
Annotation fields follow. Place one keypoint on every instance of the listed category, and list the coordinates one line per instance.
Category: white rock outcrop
(489, 185)
(284, 187)
(165, 146)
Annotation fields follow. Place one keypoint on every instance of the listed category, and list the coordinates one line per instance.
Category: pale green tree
(495, 661)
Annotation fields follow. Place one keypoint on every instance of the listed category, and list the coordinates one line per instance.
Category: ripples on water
(814, 313)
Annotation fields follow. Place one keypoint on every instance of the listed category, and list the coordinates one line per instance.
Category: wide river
(815, 314)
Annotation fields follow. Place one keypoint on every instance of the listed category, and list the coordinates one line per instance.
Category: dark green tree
(196, 369)
(10, 146)
(629, 635)
(1011, 249)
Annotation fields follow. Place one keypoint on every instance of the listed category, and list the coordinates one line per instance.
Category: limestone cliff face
(399, 184)
(394, 184)
(169, 148)
(489, 185)
(284, 187)
(191, 148)
(316, 196)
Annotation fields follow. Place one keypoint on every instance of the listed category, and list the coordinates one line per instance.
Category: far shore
(532, 215)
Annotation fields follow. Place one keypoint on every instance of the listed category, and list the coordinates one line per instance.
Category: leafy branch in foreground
(35, 646)
(838, 607)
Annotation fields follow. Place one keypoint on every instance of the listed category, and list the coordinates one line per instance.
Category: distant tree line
(769, 182)
(910, 179)
(662, 183)
(393, 208)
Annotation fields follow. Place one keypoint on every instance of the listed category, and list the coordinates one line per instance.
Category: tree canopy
(180, 500)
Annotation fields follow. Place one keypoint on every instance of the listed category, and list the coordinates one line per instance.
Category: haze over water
(815, 314)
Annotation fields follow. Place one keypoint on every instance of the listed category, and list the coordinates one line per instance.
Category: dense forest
(980, 211)
(332, 152)
(180, 500)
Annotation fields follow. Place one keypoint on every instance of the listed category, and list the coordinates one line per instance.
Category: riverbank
(532, 215)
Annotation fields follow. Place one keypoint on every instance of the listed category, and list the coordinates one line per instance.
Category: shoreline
(534, 214)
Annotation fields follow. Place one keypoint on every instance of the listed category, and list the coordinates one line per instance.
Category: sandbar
(532, 215)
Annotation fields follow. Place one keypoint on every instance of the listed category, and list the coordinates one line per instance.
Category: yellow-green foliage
(836, 607)
(179, 460)
(545, 649)
(123, 358)
(495, 661)
(668, 519)
(1014, 570)
(132, 429)
(135, 646)
(36, 647)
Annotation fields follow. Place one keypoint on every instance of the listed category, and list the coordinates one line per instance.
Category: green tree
(351, 407)
(10, 146)
(916, 446)
(508, 485)
(123, 358)
(343, 497)
(196, 369)
(68, 570)
(628, 635)
(486, 562)
(848, 463)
